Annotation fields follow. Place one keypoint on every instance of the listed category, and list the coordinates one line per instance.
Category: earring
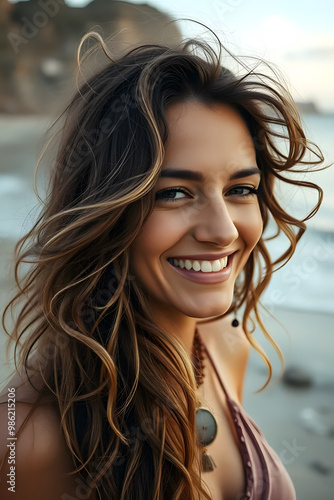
(235, 321)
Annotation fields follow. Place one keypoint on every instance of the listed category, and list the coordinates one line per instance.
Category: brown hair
(104, 361)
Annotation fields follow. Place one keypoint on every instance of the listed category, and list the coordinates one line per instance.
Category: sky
(296, 35)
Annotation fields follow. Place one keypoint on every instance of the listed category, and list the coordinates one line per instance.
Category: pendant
(206, 427)
(208, 463)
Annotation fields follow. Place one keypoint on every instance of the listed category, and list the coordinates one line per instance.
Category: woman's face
(206, 214)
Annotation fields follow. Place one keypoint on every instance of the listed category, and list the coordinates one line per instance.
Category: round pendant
(206, 426)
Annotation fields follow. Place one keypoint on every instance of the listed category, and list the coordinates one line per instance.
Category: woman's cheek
(250, 225)
(255, 227)
(159, 233)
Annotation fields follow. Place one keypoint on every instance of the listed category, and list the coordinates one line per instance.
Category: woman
(150, 237)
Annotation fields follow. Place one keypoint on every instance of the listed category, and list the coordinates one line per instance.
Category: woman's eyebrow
(197, 176)
(247, 172)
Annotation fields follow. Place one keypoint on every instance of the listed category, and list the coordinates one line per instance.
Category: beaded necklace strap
(199, 356)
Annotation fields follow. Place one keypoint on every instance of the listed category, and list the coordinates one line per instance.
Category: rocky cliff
(39, 40)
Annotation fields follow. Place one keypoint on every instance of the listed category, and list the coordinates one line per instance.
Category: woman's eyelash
(251, 191)
(162, 195)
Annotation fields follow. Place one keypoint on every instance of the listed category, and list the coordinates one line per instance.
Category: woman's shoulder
(35, 421)
(37, 427)
(36, 456)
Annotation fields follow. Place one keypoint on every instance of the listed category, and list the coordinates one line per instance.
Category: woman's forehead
(200, 136)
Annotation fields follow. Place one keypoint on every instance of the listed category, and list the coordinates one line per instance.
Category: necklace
(206, 425)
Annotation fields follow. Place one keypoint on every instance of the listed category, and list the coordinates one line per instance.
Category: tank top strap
(209, 356)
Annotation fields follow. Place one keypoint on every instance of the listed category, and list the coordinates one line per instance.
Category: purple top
(267, 478)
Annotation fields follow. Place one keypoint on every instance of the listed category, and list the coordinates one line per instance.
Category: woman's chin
(202, 312)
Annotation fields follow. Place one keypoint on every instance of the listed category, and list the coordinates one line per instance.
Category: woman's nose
(214, 223)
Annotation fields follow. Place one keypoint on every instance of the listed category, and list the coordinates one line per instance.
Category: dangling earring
(235, 321)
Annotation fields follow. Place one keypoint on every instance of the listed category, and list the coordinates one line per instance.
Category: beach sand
(298, 422)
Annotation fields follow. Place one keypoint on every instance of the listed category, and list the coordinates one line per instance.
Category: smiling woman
(150, 236)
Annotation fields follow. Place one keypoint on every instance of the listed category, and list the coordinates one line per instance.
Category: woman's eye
(176, 194)
(170, 194)
(243, 191)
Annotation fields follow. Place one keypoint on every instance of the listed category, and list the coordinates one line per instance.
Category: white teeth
(224, 261)
(187, 264)
(205, 266)
(196, 265)
(216, 266)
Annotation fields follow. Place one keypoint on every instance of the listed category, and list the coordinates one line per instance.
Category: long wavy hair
(125, 391)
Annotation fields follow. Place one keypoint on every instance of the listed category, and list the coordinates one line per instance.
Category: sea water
(306, 282)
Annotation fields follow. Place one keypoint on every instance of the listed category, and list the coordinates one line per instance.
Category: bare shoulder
(231, 348)
(38, 459)
(39, 437)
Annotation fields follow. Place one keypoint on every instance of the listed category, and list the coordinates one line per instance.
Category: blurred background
(38, 43)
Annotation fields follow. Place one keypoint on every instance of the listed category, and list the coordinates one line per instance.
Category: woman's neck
(176, 325)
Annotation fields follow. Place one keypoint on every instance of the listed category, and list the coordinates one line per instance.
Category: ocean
(306, 282)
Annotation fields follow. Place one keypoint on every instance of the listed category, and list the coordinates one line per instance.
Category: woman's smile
(205, 271)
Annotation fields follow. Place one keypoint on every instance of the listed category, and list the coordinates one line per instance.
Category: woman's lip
(203, 256)
(207, 278)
